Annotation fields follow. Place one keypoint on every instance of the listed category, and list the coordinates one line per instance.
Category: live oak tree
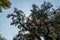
(41, 22)
(4, 4)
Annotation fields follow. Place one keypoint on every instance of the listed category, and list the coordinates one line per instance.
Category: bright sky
(9, 31)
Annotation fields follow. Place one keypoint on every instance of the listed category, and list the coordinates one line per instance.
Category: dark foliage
(41, 22)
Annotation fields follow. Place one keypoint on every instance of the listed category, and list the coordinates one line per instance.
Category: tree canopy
(41, 22)
(4, 4)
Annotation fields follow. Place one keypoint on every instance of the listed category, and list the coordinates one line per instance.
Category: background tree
(2, 38)
(39, 23)
(4, 4)
(55, 22)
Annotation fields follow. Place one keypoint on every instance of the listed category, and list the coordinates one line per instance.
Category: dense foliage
(43, 21)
